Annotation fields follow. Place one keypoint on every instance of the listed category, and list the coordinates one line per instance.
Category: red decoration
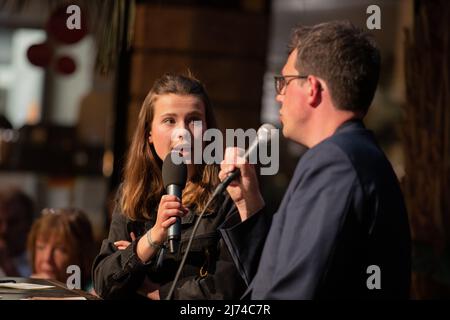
(40, 54)
(58, 31)
(57, 26)
(65, 65)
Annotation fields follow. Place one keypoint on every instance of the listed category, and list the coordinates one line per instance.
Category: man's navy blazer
(341, 230)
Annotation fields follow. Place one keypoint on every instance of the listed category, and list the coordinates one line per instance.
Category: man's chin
(284, 131)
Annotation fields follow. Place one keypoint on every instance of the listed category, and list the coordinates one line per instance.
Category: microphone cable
(219, 189)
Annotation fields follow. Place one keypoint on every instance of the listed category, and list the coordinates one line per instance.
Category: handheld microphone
(174, 179)
(264, 134)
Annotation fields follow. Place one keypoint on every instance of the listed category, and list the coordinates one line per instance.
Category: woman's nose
(48, 254)
(182, 131)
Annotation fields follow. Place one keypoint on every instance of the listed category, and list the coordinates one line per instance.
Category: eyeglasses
(281, 82)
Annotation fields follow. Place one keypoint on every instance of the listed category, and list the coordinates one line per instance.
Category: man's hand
(245, 190)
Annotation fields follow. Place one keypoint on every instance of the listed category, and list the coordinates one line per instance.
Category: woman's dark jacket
(209, 272)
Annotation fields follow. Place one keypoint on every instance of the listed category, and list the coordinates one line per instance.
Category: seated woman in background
(58, 239)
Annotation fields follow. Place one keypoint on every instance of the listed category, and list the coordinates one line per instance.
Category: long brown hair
(142, 186)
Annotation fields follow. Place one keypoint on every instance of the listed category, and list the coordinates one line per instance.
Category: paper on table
(25, 286)
(54, 298)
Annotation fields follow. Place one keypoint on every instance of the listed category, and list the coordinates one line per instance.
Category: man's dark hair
(346, 58)
(298, 34)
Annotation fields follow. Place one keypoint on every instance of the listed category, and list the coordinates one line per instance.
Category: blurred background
(69, 99)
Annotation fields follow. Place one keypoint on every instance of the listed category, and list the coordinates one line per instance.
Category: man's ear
(315, 91)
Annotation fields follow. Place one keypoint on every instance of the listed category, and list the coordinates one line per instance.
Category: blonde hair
(71, 227)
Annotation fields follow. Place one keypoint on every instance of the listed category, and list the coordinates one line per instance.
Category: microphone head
(173, 173)
(265, 132)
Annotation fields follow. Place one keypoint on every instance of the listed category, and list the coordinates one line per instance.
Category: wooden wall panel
(224, 49)
(201, 29)
(226, 79)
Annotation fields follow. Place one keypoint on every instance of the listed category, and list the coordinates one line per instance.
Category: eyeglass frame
(278, 78)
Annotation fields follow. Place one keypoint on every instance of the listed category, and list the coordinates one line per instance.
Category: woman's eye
(61, 249)
(169, 120)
